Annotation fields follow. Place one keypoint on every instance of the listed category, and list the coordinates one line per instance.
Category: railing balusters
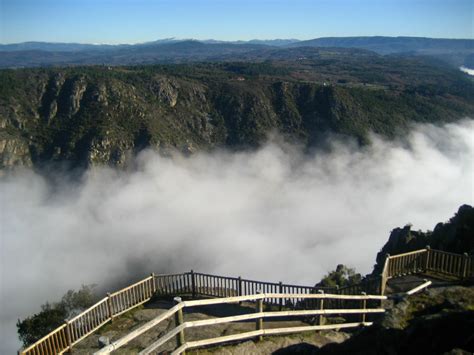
(461, 266)
(164, 285)
(212, 291)
(168, 285)
(133, 300)
(131, 297)
(427, 260)
(200, 286)
(179, 285)
(211, 286)
(217, 289)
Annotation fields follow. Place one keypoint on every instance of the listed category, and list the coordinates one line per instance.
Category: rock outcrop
(14, 151)
(439, 321)
(456, 236)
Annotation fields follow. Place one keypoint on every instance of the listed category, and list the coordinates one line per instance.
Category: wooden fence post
(193, 284)
(109, 307)
(68, 337)
(427, 259)
(364, 306)
(153, 283)
(259, 309)
(321, 307)
(239, 287)
(382, 284)
(280, 290)
(179, 319)
(465, 266)
(384, 276)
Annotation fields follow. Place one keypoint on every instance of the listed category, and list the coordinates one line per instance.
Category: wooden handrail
(419, 251)
(418, 288)
(147, 326)
(257, 333)
(199, 284)
(452, 264)
(257, 315)
(445, 252)
(88, 310)
(327, 296)
(39, 341)
(131, 286)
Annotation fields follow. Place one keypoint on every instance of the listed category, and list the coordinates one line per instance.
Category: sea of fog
(273, 214)
(467, 70)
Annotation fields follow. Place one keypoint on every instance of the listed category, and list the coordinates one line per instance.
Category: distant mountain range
(456, 52)
(387, 45)
(74, 47)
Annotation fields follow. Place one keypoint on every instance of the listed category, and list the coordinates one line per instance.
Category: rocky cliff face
(14, 152)
(101, 115)
(456, 236)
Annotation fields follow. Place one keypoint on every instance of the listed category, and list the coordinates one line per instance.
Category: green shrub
(52, 315)
(342, 276)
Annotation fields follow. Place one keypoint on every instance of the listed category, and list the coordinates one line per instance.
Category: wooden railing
(429, 260)
(407, 263)
(85, 323)
(460, 266)
(76, 329)
(221, 286)
(370, 285)
(450, 264)
(259, 315)
(198, 284)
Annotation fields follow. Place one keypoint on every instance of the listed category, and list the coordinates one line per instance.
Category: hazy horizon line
(232, 40)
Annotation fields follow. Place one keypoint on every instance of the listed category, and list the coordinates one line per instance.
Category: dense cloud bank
(467, 70)
(273, 214)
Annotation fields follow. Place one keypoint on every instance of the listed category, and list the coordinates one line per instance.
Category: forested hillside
(100, 114)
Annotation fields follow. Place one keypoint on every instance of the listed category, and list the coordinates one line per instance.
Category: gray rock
(104, 341)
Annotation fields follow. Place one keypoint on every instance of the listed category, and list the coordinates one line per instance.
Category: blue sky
(131, 21)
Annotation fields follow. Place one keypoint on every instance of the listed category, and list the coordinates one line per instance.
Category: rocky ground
(437, 321)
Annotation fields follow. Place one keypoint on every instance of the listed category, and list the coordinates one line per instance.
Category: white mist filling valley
(274, 214)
